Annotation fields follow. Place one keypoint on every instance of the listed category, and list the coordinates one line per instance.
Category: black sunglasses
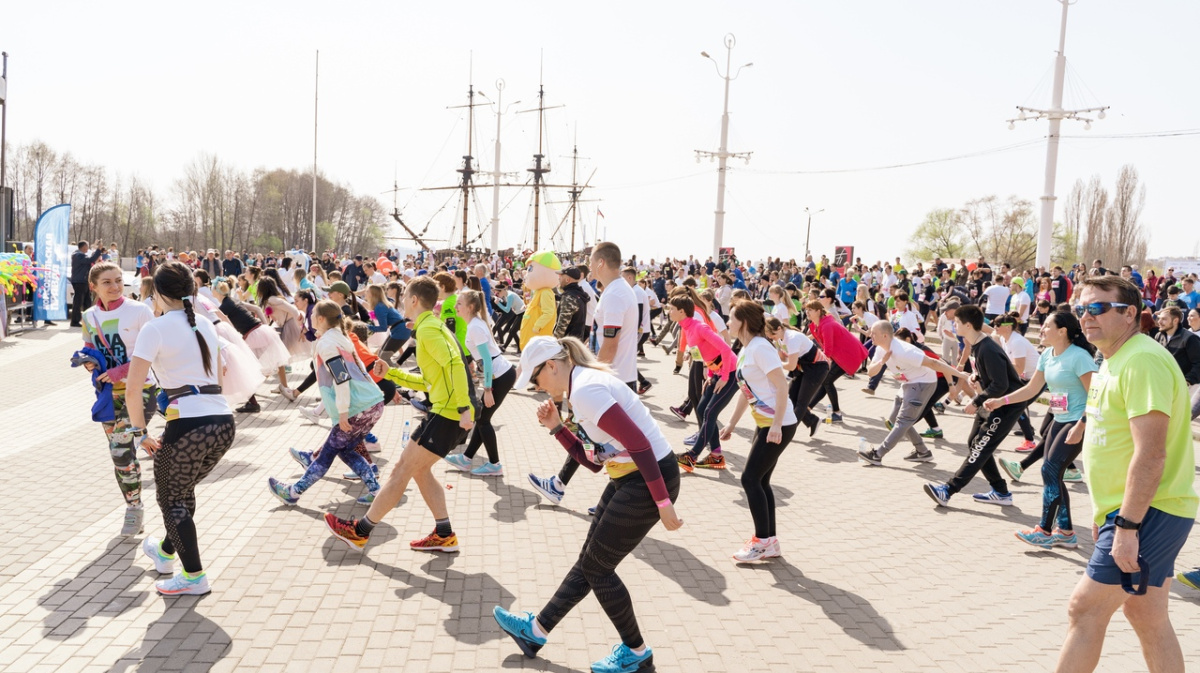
(1098, 308)
(536, 372)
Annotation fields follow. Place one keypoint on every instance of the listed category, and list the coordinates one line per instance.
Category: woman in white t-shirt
(185, 355)
(1025, 357)
(765, 390)
(498, 378)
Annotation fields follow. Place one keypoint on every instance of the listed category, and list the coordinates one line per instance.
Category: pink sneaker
(1027, 446)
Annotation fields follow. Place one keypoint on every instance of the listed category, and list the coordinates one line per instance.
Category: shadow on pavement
(512, 501)
(697, 579)
(520, 661)
(102, 587)
(178, 642)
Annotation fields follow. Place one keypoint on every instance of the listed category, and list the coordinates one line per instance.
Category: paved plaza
(873, 578)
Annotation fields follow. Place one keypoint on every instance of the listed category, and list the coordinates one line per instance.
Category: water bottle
(863, 445)
(407, 432)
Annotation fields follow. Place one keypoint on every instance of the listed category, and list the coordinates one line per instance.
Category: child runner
(498, 379)
(445, 378)
(186, 358)
(617, 432)
(719, 362)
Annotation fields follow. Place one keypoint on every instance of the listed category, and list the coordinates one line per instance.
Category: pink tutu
(301, 349)
(241, 376)
(268, 348)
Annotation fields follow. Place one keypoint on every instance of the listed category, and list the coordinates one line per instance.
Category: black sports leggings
(756, 478)
(938, 393)
(695, 386)
(828, 388)
(191, 448)
(308, 380)
(484, 433)
(625, 514)
(804, 387)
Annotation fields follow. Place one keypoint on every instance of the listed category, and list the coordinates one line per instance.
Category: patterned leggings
(624, 516)
(344, 445)
(191, 448)
(122, 448)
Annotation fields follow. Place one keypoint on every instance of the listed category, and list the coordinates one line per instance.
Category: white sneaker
(287, 393)
(313, 414)
(152, 548)
(755, 550)
(133, 521)
(178, 585)
(773, 550)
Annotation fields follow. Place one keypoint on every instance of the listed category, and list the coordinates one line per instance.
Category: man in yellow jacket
(541, 312)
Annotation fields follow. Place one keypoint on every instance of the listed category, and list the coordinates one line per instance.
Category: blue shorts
(1161, 537)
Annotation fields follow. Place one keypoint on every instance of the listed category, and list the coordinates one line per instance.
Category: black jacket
(1184, 346)
(232, 267)
(997, 375)
(242, 320)
(81, 264)
(572, 312)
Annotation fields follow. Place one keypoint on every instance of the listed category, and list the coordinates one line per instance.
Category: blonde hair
(221, 288)
(332, 314)
(578, 355)
(376, 295)
(146, 290)
(475, 301)
(786, 300)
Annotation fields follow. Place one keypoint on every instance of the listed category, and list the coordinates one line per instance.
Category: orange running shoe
(713, 461)
(344, 531)
(686, 462)
(435, 542)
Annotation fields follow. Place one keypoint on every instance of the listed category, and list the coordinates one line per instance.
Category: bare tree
(1127, 240)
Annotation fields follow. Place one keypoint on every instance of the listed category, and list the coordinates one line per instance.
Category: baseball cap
(573, 272)
(1019, 282)
(339, 286)
(546, 258)
(538, 351)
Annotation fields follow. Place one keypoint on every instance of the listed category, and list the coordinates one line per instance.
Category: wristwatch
(463, 410)
(1122, 522)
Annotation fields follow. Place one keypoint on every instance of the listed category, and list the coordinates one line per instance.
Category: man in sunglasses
(1139, 461)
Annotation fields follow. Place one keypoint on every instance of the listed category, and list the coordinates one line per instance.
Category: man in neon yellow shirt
(450, 417)
(1138, 454)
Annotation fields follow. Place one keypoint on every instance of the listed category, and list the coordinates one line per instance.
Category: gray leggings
(907, 410)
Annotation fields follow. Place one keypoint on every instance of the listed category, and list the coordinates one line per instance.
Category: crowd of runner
(1117, 365)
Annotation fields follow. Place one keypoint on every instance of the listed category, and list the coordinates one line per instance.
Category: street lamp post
(808, 233)
(723, 154)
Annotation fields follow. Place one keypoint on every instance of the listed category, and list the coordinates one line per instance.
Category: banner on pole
(843, 256)
(53, 253)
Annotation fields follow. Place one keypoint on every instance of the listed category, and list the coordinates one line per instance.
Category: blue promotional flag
(53, 252)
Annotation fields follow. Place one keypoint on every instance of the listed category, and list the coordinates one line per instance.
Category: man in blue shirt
(847, 290)
(481, 271)
(1190, 296)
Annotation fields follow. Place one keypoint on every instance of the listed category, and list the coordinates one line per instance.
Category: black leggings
(1042, 446)
(625, 514)
(986, 436)
(308, 380)
(484, 433)
(191, 448)
(1056, 499)
(939, 392)
(804, 387)
(828, 388)
(756, 478)
(695, 386)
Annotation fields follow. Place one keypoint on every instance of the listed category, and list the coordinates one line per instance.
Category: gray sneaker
(133, 522)
(919, 457)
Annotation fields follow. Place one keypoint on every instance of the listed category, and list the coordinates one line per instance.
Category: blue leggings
(341, 444)
(1056, 500)
(712, 403)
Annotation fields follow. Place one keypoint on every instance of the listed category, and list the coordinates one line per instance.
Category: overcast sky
(147, 87)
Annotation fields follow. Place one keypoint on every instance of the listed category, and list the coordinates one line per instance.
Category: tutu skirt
(300, 348)
(268, 348)
(242, 375)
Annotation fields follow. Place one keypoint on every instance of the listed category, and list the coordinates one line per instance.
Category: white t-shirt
(378, 278)
(907, 319)
(593, 392)
(797, 342)
(757, 359)
(997, 296)
(618, 310)
(780, 311)
(120, 328)
(1018, 346)
(718, 325)
(640, 296)
(169, 345)
(1021, 303)
(594, 299)
(479, 334)
(906, 363)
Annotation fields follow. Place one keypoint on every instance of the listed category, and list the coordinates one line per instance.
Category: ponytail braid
(205, 354)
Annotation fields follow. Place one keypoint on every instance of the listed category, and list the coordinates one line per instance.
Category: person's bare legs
(414, 460)
(432, 492)
(1091, 608)
(283, 377)
(1148, 616)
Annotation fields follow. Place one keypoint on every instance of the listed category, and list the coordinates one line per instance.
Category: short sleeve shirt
(907, 363)
(617, 315)
(1062, 373)
(758, 359)
(478, 335)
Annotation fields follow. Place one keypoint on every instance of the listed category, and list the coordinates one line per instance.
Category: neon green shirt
(1139, 378)
(442, 375)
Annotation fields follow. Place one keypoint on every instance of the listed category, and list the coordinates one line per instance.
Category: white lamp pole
(1055, 114)
(808, 233)
(723, 154)
(316, 90)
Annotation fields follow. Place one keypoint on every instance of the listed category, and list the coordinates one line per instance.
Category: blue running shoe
(282, 491)
(367, 498)
(184, 585)
(551, 488)
(623, 660)
(488, 470)
(591, 511)
(520, 627)
(691, 441)
(302, 457)
(1190, 578)
(939, 492)
(994, 498)
(834, 418)
(1036, 537)
(1064, 539)
(459, 461)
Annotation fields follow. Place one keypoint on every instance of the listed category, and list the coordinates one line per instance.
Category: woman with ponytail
(1066, 366)
(287, 318)
(841, 346)
(185, 354)
(264, 343)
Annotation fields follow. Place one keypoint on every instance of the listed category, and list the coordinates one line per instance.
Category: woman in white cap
(615, 431)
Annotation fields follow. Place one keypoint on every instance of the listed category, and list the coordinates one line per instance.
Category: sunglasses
(537, 372)
(1098, 308)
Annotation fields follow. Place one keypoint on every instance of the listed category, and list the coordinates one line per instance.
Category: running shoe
(812, 422)
(351, 476)
(312, 414)
(288, 393)
(551, 488)
(1027, 446)
(133, 521)
(754, 550)
(887, 423)
(163, 564)
(1064, 539)
(460, 461)
(249, 408)
(871, 457)
(644, 388)
(182, 585)
(282, 491)
(591, 511)
(686, 461)
(488, 470)
(520, 628)
(677, 369)
(1190, 578)
(775, 551)
(420, 406)
(343, 530)
(372, 443)
(623, 660)
(919, 456)
(1036, 537)
(302, 457)
(940, 493)
(678, 413)
(367, 498)
(1074, 476)
(834, 418)
(692, 439)
(713, 461)
(435, 542)
(932, 433)
(994, 498)
(1013, 468)
(939, 407)
(869, 391)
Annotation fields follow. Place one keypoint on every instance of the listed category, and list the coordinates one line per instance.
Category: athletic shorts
(438, 435)
(1161, 537)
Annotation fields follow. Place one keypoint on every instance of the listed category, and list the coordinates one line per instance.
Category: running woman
(616, 432)
(498, 378)
(1066, 366)
(112, 327)
(451, 415)
(350, 396)
(805, 363)
(719, 362)
(765, 390)
(841, 346)
(186, 358)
